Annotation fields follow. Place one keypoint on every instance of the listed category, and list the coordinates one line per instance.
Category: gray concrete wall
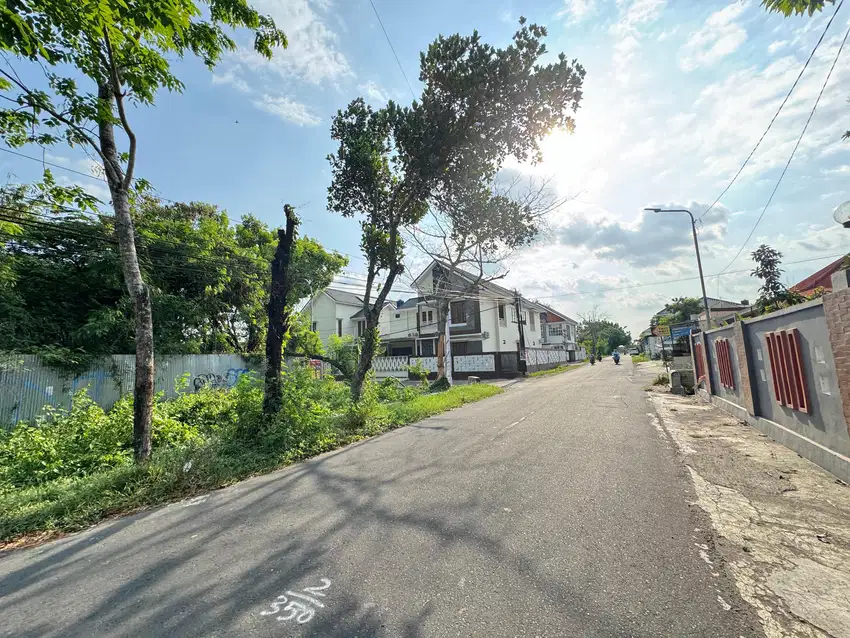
(830, 460)
(733, 395)
(27, 386)
(824, 424)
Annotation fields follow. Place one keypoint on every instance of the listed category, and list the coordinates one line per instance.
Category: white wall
(393, 328)
(325, 313)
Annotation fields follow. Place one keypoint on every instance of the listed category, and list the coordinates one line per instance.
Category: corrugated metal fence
(26, 385)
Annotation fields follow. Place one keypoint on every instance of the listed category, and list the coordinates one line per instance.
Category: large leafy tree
(798, 7)
(209, 280)
(121, 48)
(480, 104)
(471, 232)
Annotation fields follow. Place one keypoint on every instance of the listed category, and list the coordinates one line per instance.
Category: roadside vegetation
(71, 469)
(558, 370)
(639, 358)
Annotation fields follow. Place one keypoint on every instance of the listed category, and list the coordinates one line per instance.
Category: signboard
(662, 331)
(681, 331)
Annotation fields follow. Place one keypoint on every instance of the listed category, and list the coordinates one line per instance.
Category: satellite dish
(841, 214)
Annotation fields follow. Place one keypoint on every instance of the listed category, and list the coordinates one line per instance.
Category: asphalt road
(555, 509)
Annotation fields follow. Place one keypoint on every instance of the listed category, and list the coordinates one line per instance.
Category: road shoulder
(783, 523)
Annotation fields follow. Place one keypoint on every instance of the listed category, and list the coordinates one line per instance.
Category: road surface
(555, 509)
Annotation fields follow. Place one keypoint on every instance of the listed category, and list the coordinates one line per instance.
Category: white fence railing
(539, 356)
(391, 366)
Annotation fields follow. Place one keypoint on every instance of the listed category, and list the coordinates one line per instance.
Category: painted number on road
(299, 606)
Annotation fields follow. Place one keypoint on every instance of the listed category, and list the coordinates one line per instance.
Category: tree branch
(52, 111)
(122, 115)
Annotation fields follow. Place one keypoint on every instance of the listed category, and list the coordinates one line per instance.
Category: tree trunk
(278, 314)
(442, 317)
(368, 347)
(370, 337)
(144, 387)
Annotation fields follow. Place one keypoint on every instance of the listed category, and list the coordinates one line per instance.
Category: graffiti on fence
(219, 381)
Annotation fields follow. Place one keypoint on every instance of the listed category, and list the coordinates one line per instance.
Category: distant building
(821, 279)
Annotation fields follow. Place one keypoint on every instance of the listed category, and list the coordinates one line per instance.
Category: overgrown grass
(558, 370)
(661, 379)
(639, 358)
(212, 460)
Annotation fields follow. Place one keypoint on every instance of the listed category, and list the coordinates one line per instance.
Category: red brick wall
(836, 307)
(743, 368)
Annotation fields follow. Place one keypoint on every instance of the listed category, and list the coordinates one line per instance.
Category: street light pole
(696, 247)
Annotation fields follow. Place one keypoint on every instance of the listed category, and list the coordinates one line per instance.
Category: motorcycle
(592, 360)
(617, 359)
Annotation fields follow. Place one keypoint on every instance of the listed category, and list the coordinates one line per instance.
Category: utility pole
(518, 304)
(699, 261)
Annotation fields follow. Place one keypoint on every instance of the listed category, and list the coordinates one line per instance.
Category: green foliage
(420, 372)
(73, 502)
(661, 379)
(639, 358)
(440, 385)
(797, 7)
(65, 298)
(124, 46)
(767, 269)
(557, 370)
(480, 104)
(680, 309)
(608, 334)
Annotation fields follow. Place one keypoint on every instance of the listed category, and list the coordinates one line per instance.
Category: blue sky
(676, 95)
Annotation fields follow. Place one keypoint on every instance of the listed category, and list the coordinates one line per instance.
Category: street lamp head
(841, 214)
(653, 210)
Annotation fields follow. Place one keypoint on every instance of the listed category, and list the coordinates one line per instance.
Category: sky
(676, 95)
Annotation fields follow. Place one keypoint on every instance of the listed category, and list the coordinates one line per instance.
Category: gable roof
(344, 297)
(558, 316)
(821, 279)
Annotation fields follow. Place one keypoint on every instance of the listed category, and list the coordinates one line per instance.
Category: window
(426, 348)
(458, 310)
(531, 325)
(556, 330)
(724, 363)
(398, 315)
(361, 328)
(424, 316)
(513, 314)
(786, 369)
(339, 327)
(502, 320)
(467, 347)
(430, 316)
(313, 326)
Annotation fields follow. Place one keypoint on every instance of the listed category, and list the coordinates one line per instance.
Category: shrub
(62, 443)
(661, 379)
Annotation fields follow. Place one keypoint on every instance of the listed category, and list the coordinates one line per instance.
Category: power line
(787, 96)
(796, 146)
(70, 170)
(392, 48)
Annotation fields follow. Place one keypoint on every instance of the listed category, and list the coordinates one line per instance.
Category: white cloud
(577, 10)
(374, 92)
(230, 78)
(652, 239)
(627, 32)
(287, 109)
(773, 47)
(716, 39)
(844, 169)
(313, 54)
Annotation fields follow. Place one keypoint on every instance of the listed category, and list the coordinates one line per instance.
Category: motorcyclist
(592, 359)
(616, 358)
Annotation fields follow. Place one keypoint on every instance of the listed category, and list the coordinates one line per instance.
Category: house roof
(561, 317)
(821, 279)
(344, 297)
(410, 303)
